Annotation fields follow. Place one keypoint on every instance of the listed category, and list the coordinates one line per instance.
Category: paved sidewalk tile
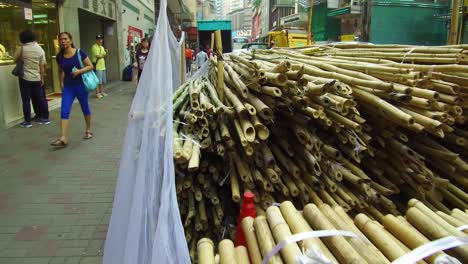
(55, 204)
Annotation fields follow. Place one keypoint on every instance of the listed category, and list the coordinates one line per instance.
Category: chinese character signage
(105, 8)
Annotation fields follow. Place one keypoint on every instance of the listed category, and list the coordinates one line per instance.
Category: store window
(43, 21)
(12, 22)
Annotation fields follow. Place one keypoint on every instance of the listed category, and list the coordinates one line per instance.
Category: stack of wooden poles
(378, 240)
(311, 125)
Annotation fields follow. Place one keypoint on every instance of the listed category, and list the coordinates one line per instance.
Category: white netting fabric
(145, 226)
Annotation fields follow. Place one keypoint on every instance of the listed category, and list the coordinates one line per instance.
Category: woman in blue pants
(72, 86)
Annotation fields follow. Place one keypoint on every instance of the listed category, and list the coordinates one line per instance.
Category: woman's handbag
(19, 68)
(90, 78)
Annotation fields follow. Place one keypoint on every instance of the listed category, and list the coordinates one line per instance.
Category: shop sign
(333, 3)
(244, 33)
(134, 35)
(28, 13)
(105, 8)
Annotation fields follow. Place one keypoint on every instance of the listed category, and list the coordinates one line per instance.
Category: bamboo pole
(205, 249)
(227, 252)
(280, 230)
(252, 244)
(368, 253)
(298, 224)
(341, 249)
(426, 225)
(379, 238)
(407, 234)
(220, 64)
(265, 239)
(242, 256)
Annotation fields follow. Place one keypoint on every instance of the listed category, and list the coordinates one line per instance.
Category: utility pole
(309, 22)
(454, 22)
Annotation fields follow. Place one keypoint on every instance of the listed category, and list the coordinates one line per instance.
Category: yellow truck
(288, 37)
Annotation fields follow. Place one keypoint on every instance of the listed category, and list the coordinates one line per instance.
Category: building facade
(241, 20)
(206, 10)
(43, 18)
(121, 22)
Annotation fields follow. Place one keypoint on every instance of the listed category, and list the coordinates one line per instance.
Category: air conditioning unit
(355, 6)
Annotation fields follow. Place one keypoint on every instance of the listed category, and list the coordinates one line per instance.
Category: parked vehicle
(255, 45)
(288, 37)
(239, 42)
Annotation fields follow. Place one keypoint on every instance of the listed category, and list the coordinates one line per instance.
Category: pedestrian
(98, 55)
(188, 59)
(32, 80)
(201, 58)
(208, 50)
(72, 86)
(142, 55)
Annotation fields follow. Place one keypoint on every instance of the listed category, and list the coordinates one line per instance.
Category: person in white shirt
(32, 80)
(201, 58)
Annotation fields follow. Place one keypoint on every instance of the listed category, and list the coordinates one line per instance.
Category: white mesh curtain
(145, 226)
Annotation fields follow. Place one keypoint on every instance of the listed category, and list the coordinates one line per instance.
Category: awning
(339, 12)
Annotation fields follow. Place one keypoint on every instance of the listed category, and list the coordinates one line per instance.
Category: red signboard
(191, 33)
(132, 33)
(255, 26)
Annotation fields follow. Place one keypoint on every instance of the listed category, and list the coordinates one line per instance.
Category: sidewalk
(55, 204)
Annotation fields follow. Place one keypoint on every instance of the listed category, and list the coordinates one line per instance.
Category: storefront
(41, 16)
(87, 18)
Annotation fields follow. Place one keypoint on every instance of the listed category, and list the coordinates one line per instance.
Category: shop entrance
(90, 25)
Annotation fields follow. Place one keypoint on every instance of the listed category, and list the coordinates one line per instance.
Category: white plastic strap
(302, 236)
(357, 147)
(430, 248)
(404, 57)
(463, 227)
(189, 138)
(429, 72)
(180, 122)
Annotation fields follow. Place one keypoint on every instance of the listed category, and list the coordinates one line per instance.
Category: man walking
(201, 57)
(188, 59)
(98, 54)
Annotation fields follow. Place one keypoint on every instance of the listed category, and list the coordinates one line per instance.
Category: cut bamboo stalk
(379, 238)
(460, 215)
(235, 191)
(252, 245)
(271, 91)
(226, 252)
(285, 161)
(435, 218)
(205, 249)
(370, 255)
(426, 225)
(451, 220)
(298, 224)
(242, 256)
(194, 162)
(265, 239)
(281, 231)
(282, 67)
(262, 109)
(341, 249)
(407, 234)
(261, 130)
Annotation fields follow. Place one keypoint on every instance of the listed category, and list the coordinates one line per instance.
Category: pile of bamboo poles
(379, 239)
(362, 133)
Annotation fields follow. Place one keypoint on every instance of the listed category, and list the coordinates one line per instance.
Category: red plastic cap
(249, 197)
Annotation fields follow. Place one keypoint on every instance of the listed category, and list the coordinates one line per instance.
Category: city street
(55, 205)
